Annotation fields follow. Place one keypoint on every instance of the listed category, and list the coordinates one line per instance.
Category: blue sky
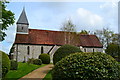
(50, 16)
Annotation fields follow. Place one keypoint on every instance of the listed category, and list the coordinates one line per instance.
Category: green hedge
(5, 63)
(64, 51)
(87, 66)
(37, 61)
(45, 58)
(14, 65)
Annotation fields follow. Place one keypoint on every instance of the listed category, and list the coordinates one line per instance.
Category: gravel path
(38, 74)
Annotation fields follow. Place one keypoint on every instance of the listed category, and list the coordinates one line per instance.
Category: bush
(23, 62)
(30, 61)
(87, 66)
(5, 63)
(45, 58)
(64, 51)
(14, 65)
(113, 49)
(37, 61)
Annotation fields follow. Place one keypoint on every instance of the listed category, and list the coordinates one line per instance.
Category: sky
(89, 16)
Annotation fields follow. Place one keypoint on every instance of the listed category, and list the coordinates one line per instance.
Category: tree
(115, 38)
(7, 18)
(70, 32)
(84, 32)
(113, 49)
(68, 26)
(106, 36)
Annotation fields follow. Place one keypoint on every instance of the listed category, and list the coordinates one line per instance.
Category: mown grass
(48, 76)
(23, 69)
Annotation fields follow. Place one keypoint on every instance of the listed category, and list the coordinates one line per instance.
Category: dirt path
(38, 74)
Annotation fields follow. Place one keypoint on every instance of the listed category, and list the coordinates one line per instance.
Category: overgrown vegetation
(64, 51)
(87, 66)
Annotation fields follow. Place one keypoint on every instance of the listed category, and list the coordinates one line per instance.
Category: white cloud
(110, 12)
(88, 20)
(110, 8)
(9, 39)
(10, 34)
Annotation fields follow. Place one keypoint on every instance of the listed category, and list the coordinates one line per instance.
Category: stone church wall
(25, 53)
(84, 49)
(92, 49)
(33, 52)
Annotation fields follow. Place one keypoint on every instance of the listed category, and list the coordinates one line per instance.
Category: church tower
(22, 23)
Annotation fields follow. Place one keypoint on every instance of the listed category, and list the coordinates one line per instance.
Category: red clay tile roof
(47, 37)
(90, 41)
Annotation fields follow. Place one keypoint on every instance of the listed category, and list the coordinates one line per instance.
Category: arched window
(28, 49)
(22, 28)
(93, 50)
(85, 50)
(42, 51)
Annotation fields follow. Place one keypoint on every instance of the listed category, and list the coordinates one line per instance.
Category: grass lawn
(23, 69)
(48, 76)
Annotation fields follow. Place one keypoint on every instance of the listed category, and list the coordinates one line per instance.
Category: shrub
(64, 51)
(37, 61)
(87, 66)
(5, 63)
(14, 65)
(23, 62)
(113, 49)
(30, 61)
(45, 58)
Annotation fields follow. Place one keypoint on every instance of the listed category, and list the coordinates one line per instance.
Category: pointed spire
(23, 18)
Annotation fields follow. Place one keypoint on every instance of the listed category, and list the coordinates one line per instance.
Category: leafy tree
(113, 49)
(70, 32)
(68, 26)
(84, 32)
(7, 18)
(106, 36)
(115, 39)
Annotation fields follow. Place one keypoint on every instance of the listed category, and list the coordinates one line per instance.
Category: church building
(30, 43)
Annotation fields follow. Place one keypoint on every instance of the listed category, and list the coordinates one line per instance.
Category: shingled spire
(22, 23)
(23, 18)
